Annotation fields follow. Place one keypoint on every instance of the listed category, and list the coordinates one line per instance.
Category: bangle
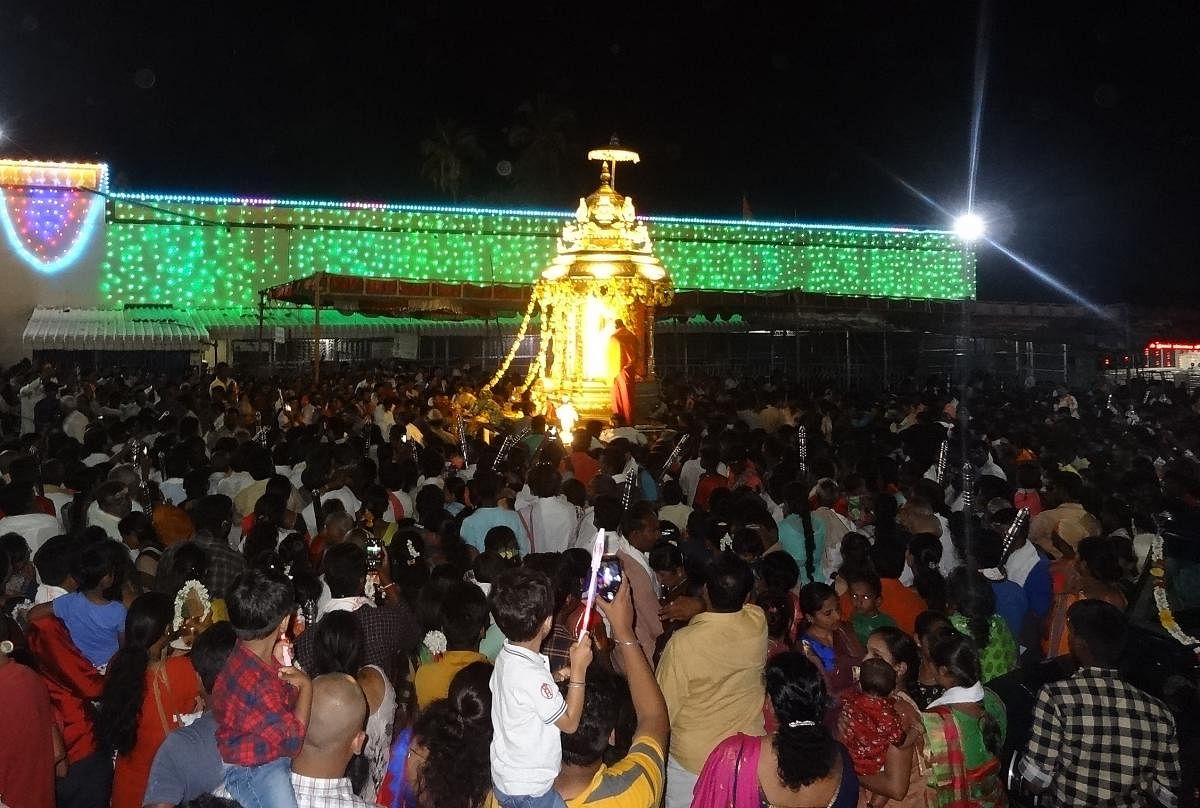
(627, 642)
(576, 684)
(386, 587)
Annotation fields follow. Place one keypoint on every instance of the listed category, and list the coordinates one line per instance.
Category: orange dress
(177, 686)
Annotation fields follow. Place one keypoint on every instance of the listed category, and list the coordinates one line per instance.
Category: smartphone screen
(374, 554)
(608, 579)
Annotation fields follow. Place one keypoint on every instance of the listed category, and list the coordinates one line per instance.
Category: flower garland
(520, 337)
(188, 589)
(435, 642)
(1158, 569)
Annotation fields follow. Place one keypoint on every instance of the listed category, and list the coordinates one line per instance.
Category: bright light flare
(969, 227)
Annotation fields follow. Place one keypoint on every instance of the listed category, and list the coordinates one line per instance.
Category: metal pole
(847, 358)
(261, 303)
(317, 329)
(886, 386)
(1064, 347)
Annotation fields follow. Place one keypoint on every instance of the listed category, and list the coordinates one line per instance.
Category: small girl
(94, 621)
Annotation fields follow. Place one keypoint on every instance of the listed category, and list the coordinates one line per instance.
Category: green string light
(213, 255)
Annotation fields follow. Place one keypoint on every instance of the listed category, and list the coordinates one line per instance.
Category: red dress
(177, 687)
(27, 763)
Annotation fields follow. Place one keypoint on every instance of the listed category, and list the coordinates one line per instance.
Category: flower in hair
(798, 724)
(435, 642)
(413, 555)
(726, 542)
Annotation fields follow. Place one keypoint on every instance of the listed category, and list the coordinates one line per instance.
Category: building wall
(27, 281)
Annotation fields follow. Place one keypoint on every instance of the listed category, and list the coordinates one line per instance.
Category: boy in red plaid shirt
(261, 705)
(870, 721)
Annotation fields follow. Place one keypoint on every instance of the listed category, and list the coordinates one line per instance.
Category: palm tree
(541, 133)
(446, 156)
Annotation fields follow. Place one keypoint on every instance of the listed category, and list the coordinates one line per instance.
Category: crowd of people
(374, 590)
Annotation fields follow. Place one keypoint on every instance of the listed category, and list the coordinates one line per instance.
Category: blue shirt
(476, 526)
(186, 765)
(1012, 604)
(791, 539)
(1039, 589)
(94, 628)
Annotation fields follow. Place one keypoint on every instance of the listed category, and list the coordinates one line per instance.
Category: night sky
(1090, 144)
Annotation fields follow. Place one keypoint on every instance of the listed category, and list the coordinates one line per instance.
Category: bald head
(339, 715)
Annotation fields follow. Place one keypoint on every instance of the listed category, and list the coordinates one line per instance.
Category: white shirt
(75, 424)
(60, 500)
(95, 459)
(551, 523)
(406, 502)
(1021, 562)
(627, 432)
(526, 749)
(107, 521)
(344, 494)
(232, 485)
(36, 528)
(172, 490)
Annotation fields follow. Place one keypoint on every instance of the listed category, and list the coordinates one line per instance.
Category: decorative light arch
(49, 211)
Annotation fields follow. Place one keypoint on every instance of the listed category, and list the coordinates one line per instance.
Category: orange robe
(623, 361)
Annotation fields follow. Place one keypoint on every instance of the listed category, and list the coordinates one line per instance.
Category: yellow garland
(512, 352)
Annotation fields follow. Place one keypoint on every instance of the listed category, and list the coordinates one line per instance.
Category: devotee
(711, 675)
(1096, 739)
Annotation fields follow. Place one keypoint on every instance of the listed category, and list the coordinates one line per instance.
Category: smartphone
(374, 554)
(608, 579)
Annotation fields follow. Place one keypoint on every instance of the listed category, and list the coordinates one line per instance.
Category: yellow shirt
(432, 681)
(634, 781)
(711, 677)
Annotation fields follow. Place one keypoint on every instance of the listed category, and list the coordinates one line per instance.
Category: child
(95, 621)
(870, 720)
(866, 596)
(261, 721)
(528, 710)
(502, 541)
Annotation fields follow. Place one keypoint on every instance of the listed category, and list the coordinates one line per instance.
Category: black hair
(635, 518)
(778, 609)
(665, 557)
(489, 565)
(671, 492)
(1102, 628)
(603, 698)
(544, 480)
(926, 550)
(813, 597)
(337, 644)
(856, 554)
(147, 621)
(929, 624)
(902, 648)
(748, 542)
(501, 539)
(211, 651)
(867, 577)
(262, 538)
(457, 734)
(257, 602)
(730, 581)
(959, 656)
(575, 492)
(1100, 557)
(974, 599)
(876, 677)
(345, 569)
(779, 571)
(213, 513)
(606, 512)
(93, 565)
(986, 545)
(887, 554)
(804, 748)
(190, 563)
(464, 616)
(209, 801)
(485, 485)
(139, 524)
(55, 558)
(522, 599)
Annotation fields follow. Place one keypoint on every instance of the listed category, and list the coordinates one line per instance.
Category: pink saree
(730, 775)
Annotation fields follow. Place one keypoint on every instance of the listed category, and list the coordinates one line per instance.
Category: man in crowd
(1098, 741)
(213, 517)
(711, 675)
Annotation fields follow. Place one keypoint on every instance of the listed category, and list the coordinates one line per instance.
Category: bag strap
(161, 674)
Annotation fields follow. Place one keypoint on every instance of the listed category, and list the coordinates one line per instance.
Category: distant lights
(969, 227)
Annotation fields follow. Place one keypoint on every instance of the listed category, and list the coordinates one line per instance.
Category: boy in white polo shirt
(528, 710)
